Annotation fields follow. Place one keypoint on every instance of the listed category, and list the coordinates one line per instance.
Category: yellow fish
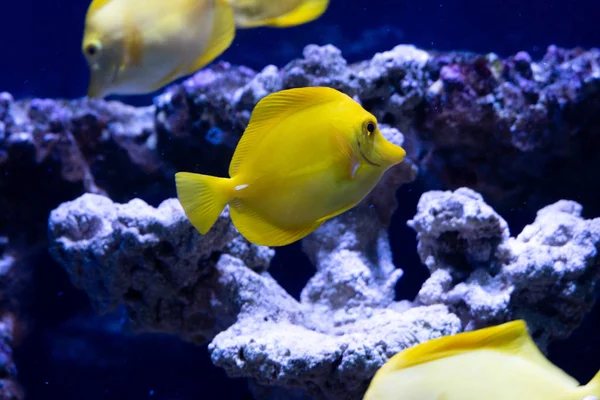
(307, 155)
(137, 47)
(279, 13)
(497, 363)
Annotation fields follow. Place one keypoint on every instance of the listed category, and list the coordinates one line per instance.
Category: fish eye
(92, 49)
(370, 127)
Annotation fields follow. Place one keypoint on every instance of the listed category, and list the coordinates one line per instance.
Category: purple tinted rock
(12, 276)
(321, 66)
(514, 130)
(470, 120)
(264, 83)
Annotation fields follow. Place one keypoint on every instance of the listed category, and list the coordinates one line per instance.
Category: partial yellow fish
(280, 13)
(137, 47)
(307, 155)
(497, 363)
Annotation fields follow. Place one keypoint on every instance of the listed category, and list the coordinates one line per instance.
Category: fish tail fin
(203, 198)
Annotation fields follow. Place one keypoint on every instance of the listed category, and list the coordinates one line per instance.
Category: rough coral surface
(9, 386)
(519, 131)
(347, 324)
(152, 261)
(171, 279)
(546, 275)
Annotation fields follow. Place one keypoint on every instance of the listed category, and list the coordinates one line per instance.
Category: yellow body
(280, 13)
(307, 155)
(136, 47)
(497, 363)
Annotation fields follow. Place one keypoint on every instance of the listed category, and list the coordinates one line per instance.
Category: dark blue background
(40, 39)
(73, 354)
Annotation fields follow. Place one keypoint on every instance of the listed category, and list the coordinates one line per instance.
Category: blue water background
(41, 40)
(72, 354)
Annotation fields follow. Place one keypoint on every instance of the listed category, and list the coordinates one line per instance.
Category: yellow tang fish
(137, 47)
(497, 363)
(280, 13)
(307, 155)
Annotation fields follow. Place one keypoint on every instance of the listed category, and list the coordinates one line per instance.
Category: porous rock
(152, 261)
(10, 389)
(172, 279)
(517, 130)
(546, 275)
(346, 324)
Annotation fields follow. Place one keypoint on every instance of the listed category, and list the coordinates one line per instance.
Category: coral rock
(346, 325)
(9, 323)
(546, 275)
(151, 260)
(172, 279)
(516, 130)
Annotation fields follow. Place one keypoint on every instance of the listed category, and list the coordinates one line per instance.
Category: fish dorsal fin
(221, 37)
(307, 12)
(273, 110)
(510, 338)
(96, 5)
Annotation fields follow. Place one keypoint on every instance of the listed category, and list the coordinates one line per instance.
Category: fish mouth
(115, 75)
(98, 88)
(365, 157)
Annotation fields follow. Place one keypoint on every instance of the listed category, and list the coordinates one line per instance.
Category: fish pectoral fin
(273, 110)
(203, 198)
(261, 232)
(221, 37)
(307, 12)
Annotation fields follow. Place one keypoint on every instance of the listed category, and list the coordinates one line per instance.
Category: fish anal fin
(221, 37)
(273, 110)
(307, 12)
(260, 231)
